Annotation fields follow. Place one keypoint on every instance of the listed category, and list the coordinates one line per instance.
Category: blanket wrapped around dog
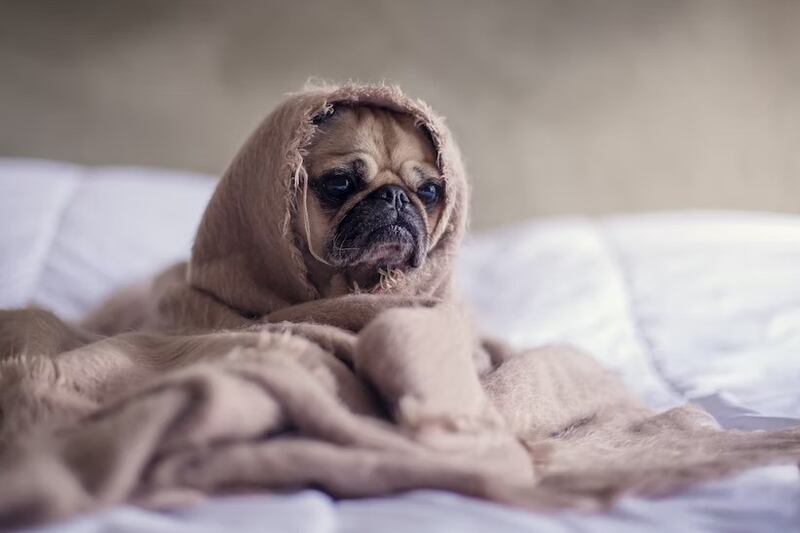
(234, 374)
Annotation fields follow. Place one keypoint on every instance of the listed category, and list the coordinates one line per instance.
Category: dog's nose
(393, 195)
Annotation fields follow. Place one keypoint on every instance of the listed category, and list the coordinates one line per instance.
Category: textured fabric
(365, 394)
(597, 286)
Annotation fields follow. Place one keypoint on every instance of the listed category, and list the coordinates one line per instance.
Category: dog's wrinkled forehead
(386, 145)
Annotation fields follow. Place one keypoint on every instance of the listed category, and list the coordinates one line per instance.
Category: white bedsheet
(685, 306)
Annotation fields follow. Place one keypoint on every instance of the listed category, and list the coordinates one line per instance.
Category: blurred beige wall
(560, 106)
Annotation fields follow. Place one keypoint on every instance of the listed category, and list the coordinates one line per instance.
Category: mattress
(685, 306)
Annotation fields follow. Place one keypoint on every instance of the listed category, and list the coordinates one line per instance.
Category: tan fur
(240, 375)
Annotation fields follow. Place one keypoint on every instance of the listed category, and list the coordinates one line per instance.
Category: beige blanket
(233, 373)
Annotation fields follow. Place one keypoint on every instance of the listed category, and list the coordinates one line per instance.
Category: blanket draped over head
(237, 375)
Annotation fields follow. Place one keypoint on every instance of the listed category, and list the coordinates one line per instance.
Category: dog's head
(339, 189)
(375, 194)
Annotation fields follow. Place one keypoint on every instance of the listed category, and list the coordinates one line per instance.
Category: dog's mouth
(369, 244)
(391, 245)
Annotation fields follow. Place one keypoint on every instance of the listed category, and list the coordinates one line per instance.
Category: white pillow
(70, 234)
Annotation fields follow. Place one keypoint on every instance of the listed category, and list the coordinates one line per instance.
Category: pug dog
(374, 196)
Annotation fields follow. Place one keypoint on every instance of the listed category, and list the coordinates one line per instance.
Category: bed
(685, 306)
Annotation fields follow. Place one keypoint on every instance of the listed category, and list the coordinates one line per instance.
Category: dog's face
(375, 193)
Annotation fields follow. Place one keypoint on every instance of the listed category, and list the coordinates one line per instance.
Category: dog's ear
(426, 132)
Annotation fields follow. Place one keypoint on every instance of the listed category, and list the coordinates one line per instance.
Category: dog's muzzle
(385, 229)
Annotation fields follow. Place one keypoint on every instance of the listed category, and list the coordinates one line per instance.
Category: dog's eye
(335, 187)
(339, 186)
(429, 193)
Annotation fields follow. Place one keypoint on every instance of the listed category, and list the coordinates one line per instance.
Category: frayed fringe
(390, 278)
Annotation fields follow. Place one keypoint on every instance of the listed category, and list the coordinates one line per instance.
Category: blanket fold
(234, 374)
